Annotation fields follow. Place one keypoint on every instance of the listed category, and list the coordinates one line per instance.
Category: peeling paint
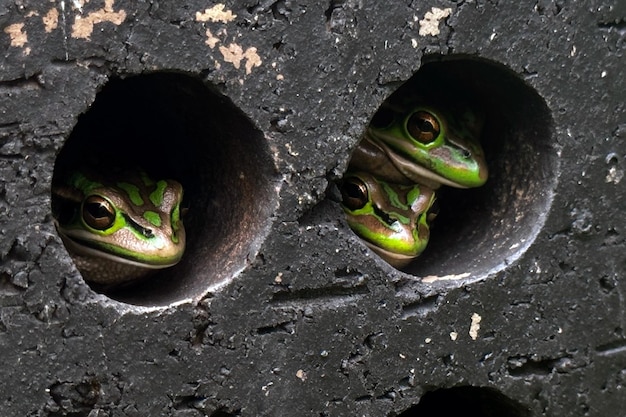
(83, 26)
(430, 24)
(234, 54)
(217, 13)
(211, 40)
(18, 37)
(51, 20)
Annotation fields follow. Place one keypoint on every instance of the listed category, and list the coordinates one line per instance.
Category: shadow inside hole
(222, 413)
(174, 126)
(466, 402)
(481, 230)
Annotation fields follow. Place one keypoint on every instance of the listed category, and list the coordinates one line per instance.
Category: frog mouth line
(397, 260)
(410, 169)
(88, 248)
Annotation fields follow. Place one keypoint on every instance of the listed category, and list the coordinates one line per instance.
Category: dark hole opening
(467, 402)
(174, 126)
(481, 230)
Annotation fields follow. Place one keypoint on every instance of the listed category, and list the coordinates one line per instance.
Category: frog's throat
(80, 247)
(397, 260)
(412, 170)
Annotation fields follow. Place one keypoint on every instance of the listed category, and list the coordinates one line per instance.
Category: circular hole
(468, 402)
(480, 230)
(174, 127)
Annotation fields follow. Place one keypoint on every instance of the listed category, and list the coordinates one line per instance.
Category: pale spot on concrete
(83, 26)
(18, 37)
(430, 24)
(211, 40)
(475, 326)
(300, 374)
(51, 20)
(614, 176)
(234, 54)
(252, 59)
(217, 13)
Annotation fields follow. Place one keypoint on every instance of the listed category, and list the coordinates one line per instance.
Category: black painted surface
(315, 324)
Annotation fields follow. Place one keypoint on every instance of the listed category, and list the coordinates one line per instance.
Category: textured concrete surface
(516, 308)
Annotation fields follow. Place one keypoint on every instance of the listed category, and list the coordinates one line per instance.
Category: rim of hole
(179, 127)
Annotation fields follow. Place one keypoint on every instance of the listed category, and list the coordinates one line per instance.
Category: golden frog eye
(354, 194)
(98, 212)
(423, 126)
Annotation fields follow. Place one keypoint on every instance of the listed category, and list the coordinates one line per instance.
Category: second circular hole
(480, 230)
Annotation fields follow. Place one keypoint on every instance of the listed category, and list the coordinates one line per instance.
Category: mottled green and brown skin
(423, 145)
(392, 219)
(409, 150)
(121, 227)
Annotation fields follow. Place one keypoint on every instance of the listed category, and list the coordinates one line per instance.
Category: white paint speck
(290, 150)
(475, 326)
(429, 25)
(614, 175)
(603, 74)
(453, 336)
(266, 388)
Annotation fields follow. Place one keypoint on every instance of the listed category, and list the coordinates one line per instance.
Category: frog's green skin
(393, 149)
(121, 227)
(408, 151)
(392, 219)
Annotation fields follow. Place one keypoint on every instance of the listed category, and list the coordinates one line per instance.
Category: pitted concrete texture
(278, 309)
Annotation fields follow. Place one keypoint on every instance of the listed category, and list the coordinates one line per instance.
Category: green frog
(408, 151)
(121, 227)
(425, 145)
(392, 219)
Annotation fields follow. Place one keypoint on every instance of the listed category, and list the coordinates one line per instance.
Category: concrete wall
(278, 309)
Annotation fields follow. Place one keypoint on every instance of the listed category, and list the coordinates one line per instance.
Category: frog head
(127, 220)
(392, 219)
(430, 145)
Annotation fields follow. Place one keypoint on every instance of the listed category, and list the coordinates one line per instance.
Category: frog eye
(354, 193)
(98, 212)
(423, 126)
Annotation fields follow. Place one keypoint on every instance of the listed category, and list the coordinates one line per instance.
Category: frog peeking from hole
(119, 227)
(411, 147)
